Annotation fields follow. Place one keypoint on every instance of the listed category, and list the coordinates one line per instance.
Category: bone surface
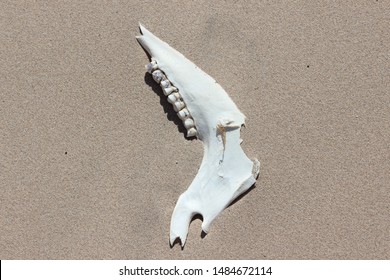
(210, 115)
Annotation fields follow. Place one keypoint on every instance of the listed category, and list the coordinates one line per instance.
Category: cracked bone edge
(225, 171)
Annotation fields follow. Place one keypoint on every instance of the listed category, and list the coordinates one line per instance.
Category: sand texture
(93, 158)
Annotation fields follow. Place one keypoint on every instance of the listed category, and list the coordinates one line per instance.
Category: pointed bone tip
(173, 237)
(144, 31)
(141, 27)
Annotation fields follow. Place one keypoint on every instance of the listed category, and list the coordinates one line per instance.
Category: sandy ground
(92, 158)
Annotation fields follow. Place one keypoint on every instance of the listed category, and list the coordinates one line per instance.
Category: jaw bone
(209, 114)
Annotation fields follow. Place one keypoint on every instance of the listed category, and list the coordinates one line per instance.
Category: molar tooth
(173, 98)
(192, 132)
(177, 106)
(165, 83)
(158, 76)
(183, 114)
(169, 90)
(151, 66)
(189, 123)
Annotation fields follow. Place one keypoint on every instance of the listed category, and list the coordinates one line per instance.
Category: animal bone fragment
(210, 115)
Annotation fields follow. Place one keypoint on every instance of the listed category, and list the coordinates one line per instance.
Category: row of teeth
(174, 98)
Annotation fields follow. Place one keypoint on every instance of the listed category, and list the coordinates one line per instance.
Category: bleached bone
(225, 171)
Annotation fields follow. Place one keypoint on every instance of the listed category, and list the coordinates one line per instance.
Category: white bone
(225, 171)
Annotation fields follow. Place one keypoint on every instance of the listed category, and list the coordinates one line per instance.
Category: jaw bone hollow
(209, 114)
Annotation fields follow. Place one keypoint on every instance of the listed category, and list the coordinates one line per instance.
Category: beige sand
(92, 159)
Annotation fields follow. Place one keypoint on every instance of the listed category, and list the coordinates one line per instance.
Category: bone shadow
(168, 108)
(242, 195)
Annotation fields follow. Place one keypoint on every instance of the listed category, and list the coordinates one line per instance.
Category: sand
(93, 159)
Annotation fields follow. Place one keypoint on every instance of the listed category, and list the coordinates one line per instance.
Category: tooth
(183, 114)
(188, 123)
(173, 97)
(177, 106)
(192, 132)
(151, 66)
(169, 90)
(165, 83)
(158, 76)
(225, 172)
